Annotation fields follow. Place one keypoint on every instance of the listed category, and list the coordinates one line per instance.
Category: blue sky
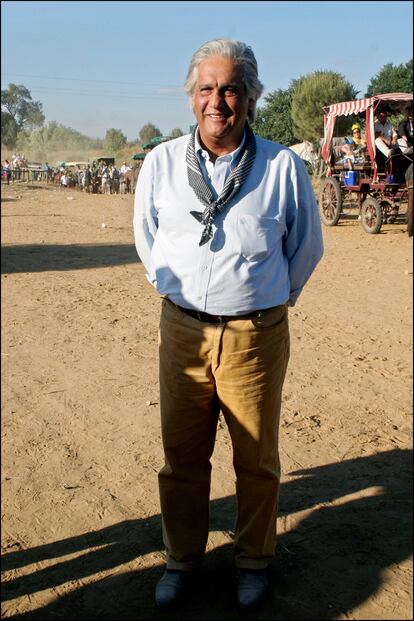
(97, 65)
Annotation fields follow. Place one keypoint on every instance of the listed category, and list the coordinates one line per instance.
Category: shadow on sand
(54, 257)
(328, 565)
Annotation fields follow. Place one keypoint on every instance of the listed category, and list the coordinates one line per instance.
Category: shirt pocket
(257, 236)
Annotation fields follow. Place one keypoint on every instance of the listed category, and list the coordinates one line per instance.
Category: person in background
(47, 170)
(359, 141)
(105, 179)
(125, 179)
(124, 168)
(86, 180)
(7, 171)
(385, 135)
(405, 131)
(114, 175)
(354, 148)
(348, 150)
(227, 227)
(64, 179)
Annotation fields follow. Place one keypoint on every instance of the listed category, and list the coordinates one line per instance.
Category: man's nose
(217, 99)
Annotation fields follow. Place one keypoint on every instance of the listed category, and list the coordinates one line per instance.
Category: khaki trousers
(237, 368)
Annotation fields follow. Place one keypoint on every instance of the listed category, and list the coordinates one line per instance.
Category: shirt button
(204, 267)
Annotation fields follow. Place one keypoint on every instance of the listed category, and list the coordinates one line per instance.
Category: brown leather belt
(207, 318)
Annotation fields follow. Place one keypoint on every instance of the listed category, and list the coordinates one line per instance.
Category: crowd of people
(96, 178)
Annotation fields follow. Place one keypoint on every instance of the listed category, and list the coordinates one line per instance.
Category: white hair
(242, 55)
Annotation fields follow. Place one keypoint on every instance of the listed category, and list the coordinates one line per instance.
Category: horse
(126, 182)
(131, 176)
(409, 182)
(306, 152)
(122, 184)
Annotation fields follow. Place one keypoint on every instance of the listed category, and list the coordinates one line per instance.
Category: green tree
(38, 144)
(9, 130)
(176, 132)
(41, 142)
(51, 137)
(392, 79)
(115, 140)
(147, 132)
(273, 120)
(17, 101)
(313, 91)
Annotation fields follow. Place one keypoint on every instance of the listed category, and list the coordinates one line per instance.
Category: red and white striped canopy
(360, 105)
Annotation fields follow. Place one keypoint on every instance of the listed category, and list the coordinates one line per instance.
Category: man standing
(124, 168)
(86, 181)
(227, 227)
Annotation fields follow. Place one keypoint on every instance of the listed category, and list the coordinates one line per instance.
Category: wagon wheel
(330, 201)
(371, 215)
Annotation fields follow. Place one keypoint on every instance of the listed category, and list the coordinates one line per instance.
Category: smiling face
(220, 104)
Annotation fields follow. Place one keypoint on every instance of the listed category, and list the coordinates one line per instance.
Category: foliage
(147, 132)
(392, 79)
(18, 102)
(44, 142)
(313, 91)
(9, 130)
(273, 121)
(176, 132)
(115, 140)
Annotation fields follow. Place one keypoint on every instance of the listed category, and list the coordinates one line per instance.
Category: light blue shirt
(266, 243)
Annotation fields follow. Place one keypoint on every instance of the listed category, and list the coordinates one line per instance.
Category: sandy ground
(81, 536)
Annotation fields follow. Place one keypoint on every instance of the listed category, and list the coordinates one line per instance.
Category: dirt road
(81, 536)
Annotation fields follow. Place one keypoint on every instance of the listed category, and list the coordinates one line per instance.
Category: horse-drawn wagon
(376, 186)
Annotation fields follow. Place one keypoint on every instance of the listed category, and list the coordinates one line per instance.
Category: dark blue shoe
(252, 588)
(170, 589)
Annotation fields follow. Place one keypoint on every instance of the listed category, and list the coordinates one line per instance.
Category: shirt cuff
(294, 296)
(151, 281)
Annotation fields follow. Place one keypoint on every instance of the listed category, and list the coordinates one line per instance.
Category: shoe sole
(168, 607)
(257, 604)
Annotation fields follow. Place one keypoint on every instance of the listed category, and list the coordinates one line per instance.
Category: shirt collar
(230, 157)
